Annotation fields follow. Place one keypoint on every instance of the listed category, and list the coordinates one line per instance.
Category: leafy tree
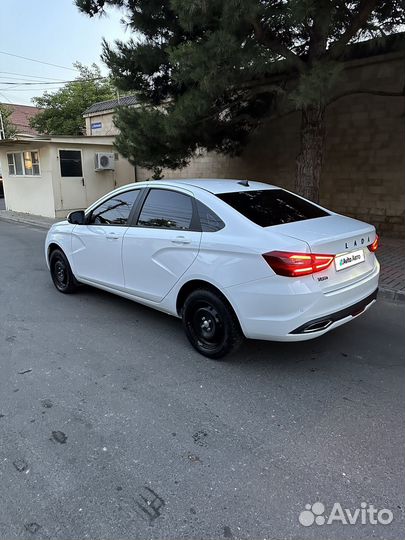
(208, 72)
(6, 124)
(62, 111)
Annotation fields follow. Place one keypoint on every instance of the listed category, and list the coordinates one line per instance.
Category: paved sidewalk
(391, 255)
(29, 219)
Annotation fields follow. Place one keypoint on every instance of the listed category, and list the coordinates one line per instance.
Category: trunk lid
(344, 237)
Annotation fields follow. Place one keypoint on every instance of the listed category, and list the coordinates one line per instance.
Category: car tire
(210, 324)
(62, 275)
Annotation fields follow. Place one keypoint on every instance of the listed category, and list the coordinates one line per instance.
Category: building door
(73, 185)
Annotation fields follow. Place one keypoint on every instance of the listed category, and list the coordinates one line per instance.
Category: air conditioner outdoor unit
(104, 161)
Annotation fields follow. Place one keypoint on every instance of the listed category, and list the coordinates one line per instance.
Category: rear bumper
(278, 308)
(322, 323)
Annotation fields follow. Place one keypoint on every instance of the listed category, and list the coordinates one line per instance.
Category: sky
(52, 31)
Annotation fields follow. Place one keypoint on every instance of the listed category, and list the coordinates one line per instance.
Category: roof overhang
(58, 139)
(98, 113)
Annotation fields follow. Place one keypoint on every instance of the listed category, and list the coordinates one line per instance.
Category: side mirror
(77, 217)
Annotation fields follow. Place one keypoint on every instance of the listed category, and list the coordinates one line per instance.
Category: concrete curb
(393, 296)
(23, 221)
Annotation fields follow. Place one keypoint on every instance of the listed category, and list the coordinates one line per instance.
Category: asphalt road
(111, 426)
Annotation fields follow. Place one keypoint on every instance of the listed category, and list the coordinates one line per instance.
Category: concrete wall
(364, 170)
(364, 166)
(29, 194)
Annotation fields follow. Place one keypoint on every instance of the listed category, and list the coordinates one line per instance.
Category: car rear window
(269, 207)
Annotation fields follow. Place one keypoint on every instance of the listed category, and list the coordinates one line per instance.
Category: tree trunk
(309, 161)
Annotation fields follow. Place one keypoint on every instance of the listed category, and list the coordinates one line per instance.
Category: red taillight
(289, 264)
(374, 246)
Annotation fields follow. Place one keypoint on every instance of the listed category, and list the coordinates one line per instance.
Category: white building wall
(29, 194)
(105, 121)
(124, 172)
(70, 193)
(53, 196)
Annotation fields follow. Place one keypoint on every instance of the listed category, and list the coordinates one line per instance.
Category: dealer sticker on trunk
(349, 259)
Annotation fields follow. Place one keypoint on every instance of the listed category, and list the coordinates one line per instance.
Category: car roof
(214, 185)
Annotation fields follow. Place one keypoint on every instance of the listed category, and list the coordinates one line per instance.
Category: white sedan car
(232, 258)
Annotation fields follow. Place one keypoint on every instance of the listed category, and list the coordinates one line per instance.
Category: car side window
(210, 222)
(114, 211)
(166, 209)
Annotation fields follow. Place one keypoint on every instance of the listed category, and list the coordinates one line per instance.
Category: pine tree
(208, 72)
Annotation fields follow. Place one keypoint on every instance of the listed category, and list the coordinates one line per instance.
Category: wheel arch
(54, 246)
(194, 284)
(51, 248)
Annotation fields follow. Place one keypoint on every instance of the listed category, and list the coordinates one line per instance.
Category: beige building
(50, 176)
(99, 117)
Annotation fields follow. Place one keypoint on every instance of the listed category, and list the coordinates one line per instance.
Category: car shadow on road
(294, 356)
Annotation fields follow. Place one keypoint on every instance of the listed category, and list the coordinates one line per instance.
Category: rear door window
(270, 207)
(166, 209)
